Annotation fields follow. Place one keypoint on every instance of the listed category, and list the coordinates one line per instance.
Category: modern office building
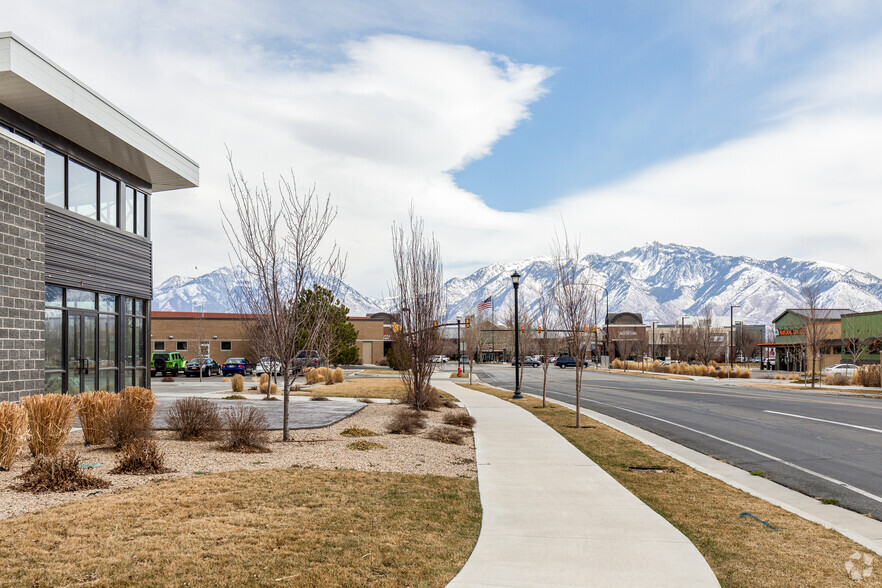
(77, 176)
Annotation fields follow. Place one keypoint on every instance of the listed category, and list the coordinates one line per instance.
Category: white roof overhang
(40, 90)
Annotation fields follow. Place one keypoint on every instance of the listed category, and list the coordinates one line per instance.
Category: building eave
(40, 90)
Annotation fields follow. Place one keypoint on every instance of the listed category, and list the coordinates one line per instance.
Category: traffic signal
(523, 329)
(395, 327)
(468, 322)
(586, 328)
(539, 330)
(434, 324)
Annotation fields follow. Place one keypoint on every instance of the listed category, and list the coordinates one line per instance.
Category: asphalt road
(822, 444)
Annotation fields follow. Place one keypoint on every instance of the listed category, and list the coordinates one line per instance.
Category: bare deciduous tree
(545, 341)
(572, 295)
(276, 249)
(815, 327)
(709, 340)
(418, 289)
(748, 340)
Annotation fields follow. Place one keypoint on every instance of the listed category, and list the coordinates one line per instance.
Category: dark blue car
(567, 361)
(237, 365)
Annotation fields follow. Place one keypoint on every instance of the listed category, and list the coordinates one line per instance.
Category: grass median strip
(363, 388)
(782, 550)
(293, 527)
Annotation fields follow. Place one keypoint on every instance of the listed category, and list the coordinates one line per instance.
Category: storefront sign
(789, 332)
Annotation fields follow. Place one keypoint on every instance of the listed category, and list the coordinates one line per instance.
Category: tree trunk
(286, 395)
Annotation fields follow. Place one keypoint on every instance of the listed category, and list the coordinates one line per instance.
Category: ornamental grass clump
(244, 430)
(446, 434)
(50, 419)
(867, 376)
(318, 376)
(238, 383)
(58, 473)
(95, 409)
(132, 417)
(459, 419)
(264, 378)
(13, 432)
(338, 376)
(194, 418)
(140, 457)
(273, 388)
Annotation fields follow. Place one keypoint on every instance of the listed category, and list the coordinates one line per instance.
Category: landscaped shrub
(235, 397)
(94, 410)
(244, 430)
(274, 388)
(407, 422)
(867, 376)
(358, 432)
(50, 418)
(365, 445)
(168, 379)
(193, 418)
(836, 380)
(446, 434)
(317, 376)
(238, 384)
(264, 378)
(618, 364)
(320, 398)
(460, 418)
(140, 457)
(338, 376)
(132, 417)
(13, 432)
(58, 473)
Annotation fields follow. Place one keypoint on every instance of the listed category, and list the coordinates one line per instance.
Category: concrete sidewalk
(552, 517)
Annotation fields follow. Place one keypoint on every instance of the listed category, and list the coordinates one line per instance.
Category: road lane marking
(846, 485)
(799, 416)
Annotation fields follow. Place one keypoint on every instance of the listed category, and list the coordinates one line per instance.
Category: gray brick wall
(22, 286)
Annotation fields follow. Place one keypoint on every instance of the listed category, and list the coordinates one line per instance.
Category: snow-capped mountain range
(663, 282)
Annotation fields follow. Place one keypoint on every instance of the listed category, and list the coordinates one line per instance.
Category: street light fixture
(605, 323)
(732, 334)
(516, 280)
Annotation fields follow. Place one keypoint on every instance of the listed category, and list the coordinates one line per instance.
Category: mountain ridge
(662, 281)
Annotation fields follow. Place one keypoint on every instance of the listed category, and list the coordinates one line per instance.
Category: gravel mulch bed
(321, 448)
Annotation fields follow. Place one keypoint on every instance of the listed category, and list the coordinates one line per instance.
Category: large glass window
(54, 339)
(54, 296)
(82, 189)
(130, 210)
(53, 181)
(108, 196)
(141, 215)
(106, 340)
(80, 299)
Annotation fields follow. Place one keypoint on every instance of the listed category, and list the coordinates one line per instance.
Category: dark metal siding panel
(81, 253)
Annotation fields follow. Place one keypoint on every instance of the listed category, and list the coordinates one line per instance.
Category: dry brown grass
(264, 378)
(317, 376)
(867, 376)
(741, 552)
(238, 383)
(338, 376)
(50, 419)
(365, 445)
(273, 388)
(357, 432)
(13, 432)
(292, 527)
(94, 410)
(57, 473)
(140, 457)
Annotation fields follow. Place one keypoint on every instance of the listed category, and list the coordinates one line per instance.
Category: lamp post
(458, 350)
(516, 280)
(653, 340)
(732, 335)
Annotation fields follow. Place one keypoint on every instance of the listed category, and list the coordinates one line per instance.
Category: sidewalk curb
(858, 528)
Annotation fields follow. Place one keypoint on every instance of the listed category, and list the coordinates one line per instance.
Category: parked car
(463, 359)
(209, 367)
(565, 361)
(237, 365)
(166, 363)
(307, 358)
(527, 361)
(846, 369)
(440, 359)
(268, 366)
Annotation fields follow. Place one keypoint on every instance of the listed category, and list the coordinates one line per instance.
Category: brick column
(22, 286)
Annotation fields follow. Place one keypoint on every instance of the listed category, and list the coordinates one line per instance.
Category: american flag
(486, 304)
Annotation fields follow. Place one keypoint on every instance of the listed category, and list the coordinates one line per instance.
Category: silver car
(268, 366)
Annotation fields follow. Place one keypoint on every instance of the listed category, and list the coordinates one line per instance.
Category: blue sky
(746, 127)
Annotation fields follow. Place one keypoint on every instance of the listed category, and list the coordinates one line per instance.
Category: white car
(846, 369)
(439, 359)
(268, 366)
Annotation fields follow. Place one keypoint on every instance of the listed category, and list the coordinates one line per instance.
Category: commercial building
(788, 351)
(77, 177)
(221, 336)
(862, 337)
